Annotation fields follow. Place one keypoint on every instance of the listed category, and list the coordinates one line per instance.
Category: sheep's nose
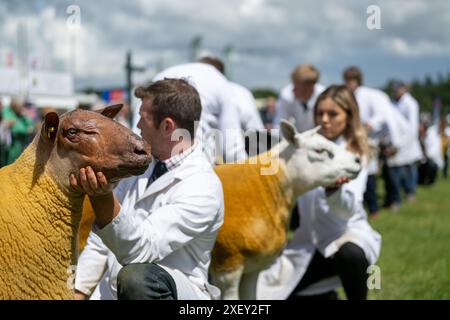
(139, 146)
(139, 149)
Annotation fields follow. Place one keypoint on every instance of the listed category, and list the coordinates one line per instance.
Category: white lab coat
(248, 112)
(433, 145)
(326, 223)
(410, 152)
(174, 223)
(219, 112)
(290, 107)
(376, 109)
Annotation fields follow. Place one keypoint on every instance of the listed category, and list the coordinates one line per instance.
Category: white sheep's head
(81, 138)
(312, 160)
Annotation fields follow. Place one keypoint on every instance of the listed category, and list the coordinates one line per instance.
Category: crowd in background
(388, 133)
(408, 147)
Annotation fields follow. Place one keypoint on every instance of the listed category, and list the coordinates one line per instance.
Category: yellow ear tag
(49, 131)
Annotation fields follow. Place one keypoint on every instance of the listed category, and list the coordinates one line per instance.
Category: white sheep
(40, 214)
(258, 207)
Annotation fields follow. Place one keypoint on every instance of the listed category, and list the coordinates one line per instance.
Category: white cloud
(270, 37)
(419, 48)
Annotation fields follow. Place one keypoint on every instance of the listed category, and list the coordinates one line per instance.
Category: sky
(402, 39)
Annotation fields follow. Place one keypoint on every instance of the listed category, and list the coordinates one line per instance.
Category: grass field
(415, 254)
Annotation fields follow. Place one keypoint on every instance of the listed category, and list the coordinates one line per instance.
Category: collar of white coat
(193, 163)
(340, 141)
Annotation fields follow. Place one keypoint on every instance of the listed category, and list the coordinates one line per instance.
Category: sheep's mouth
(134, 169)
(352, 173)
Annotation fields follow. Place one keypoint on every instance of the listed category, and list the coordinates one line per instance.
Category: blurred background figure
(21, 128)
(410, 153)
(444, 131)
(249, 118)
(220, 124)
(5, 136)
(268, 112)
(296, 100)
(430, 142)
(387, 132)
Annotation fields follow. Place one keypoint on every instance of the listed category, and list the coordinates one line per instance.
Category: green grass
(415, 253)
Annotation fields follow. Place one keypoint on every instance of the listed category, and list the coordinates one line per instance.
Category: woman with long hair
(334, 244)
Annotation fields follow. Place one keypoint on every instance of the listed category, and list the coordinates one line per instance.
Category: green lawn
(415, 253)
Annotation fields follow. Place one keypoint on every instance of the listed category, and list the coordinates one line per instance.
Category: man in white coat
(377, 113)
(298, 98)
(249, 117)
(407, 156)
(152, 237)
(219, 126)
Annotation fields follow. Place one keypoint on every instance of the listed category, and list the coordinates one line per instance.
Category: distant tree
(261, 93)
(427, 91)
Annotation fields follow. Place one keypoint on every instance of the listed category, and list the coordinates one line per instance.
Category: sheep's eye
(329, 153)
(71, 132)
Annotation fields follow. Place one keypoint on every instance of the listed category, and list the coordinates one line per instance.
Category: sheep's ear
(111, 111)
(289, 132)
(315, 130)
(50, 127)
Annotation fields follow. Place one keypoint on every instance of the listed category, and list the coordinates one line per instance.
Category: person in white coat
(431, 144)
(334, 244)
(152, 237)
(250, 120)
(219, 127)
(411, 152)
(382, 122)
(297, 99)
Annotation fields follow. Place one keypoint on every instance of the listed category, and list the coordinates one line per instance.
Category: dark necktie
(159, 169)
(305, 106)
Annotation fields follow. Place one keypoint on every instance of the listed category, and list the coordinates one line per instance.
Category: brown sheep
(39, 211)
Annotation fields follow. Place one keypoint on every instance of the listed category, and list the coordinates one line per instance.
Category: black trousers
(370, 195)
(349, 263)
(145, 281)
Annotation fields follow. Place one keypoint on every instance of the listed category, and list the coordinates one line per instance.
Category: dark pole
(129, 69)
(129, 85)
(196, 43)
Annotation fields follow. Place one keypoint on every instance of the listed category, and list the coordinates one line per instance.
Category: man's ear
(169, 125)
(111, 111)
(289, 132)
(49, 128)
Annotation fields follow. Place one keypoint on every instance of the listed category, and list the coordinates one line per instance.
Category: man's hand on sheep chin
(105, 205)
(92, 183)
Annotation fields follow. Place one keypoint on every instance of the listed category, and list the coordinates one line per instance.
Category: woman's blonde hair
(354, 133)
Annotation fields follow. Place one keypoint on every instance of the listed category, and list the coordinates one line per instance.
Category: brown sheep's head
(85, 138)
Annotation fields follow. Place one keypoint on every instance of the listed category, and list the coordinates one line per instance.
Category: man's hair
(397, 84)
(305, 73)
(353, 73)
(215, 62)
(173, 98)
